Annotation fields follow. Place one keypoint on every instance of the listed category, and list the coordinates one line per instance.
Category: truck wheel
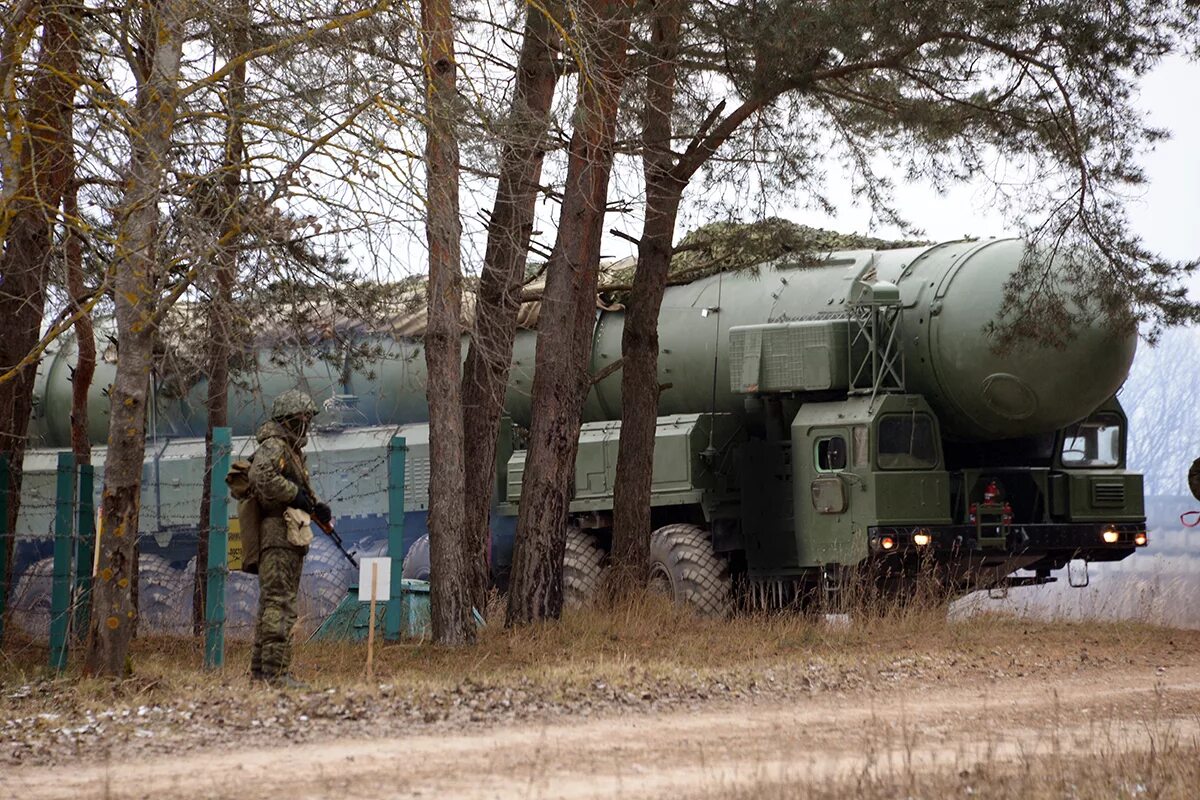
(416, 560)
(684, 567)
(583, 568)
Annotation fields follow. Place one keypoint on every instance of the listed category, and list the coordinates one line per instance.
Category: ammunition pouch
(238, 480)
(250, 517)
(250, 514)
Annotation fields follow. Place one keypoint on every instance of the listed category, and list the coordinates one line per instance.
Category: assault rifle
(332, 533)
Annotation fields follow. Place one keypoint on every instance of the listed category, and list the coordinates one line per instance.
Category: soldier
(280, 481)
(1194, 478)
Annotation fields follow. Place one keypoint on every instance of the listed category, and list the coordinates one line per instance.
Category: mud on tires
(684, 566)
(583, 568)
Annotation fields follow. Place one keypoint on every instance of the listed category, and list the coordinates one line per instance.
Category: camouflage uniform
(279, 479)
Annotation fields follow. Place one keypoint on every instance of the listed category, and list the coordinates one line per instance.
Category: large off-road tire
(164, 597)
(416, 560)
(583, 568)
(684, 567)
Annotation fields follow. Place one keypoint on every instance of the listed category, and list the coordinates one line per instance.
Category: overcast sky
(1167, 214)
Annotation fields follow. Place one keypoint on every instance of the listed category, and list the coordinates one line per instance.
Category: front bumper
(1055, 541)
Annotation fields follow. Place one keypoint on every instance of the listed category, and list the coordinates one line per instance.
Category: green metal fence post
(85, 548)
(397, 450)
(64, 528)
(218, 551)
(4, 541)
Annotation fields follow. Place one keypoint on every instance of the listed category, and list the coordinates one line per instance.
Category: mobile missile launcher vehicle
(863, 422)
(821, 420)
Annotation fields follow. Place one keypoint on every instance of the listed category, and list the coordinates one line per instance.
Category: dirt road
(815, 739)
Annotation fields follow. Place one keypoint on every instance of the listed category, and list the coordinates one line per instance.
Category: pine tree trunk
(44, 173)
(136, 279)
(85, 343)
(630, 557)
(566, 323)
(225, 218)
(217, 405)
(485, 373)
(450, 588)
(85, 335)
(667, 175)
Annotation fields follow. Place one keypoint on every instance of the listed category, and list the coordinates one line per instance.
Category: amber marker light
(887, 543)
(1140, 539)
(1110, 535)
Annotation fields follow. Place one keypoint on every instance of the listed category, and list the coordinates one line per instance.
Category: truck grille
(1108, 493)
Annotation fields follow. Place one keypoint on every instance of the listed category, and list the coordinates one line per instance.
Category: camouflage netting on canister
(399, 309)
(708, 250)
(286, 315)
(733, 247)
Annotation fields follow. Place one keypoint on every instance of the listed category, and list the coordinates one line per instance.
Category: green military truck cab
(848, 467)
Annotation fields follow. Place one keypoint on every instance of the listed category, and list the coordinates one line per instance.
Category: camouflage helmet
(293, 403)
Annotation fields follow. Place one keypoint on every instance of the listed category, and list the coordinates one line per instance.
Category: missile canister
(948, 293)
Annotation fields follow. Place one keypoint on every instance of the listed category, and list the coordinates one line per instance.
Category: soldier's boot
(286, 681)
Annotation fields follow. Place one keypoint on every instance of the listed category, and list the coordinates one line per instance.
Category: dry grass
(646, 638)
(648, 657)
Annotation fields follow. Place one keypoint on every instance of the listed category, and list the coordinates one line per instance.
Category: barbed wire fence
(54, 513)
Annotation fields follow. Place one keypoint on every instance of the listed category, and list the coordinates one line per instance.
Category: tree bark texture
(450, 587)
(567, 320)
(667, 176)
(85, 332)
(136, 283)
(44, 170)
(630, 555)
(485, 373)
(223, 216)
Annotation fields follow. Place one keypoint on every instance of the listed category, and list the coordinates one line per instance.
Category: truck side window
(831, 454)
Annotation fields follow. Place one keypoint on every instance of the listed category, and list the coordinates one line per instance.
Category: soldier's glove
(303, 501)
(322, 514)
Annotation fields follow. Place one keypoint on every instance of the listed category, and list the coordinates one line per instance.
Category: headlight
(921, 538)
(1110, 535)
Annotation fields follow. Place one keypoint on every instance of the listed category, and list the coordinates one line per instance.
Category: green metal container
(350, 621)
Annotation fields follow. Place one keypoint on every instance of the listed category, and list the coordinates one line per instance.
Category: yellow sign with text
(235, 544)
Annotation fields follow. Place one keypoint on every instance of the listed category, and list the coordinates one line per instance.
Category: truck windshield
(906, 442)
(1095, 442)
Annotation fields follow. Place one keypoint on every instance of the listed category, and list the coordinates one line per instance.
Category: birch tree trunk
(136, 283)
(567, 319)
(450, 598)
(485, 373)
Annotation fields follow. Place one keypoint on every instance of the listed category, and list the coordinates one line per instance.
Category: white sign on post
(382, 579)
